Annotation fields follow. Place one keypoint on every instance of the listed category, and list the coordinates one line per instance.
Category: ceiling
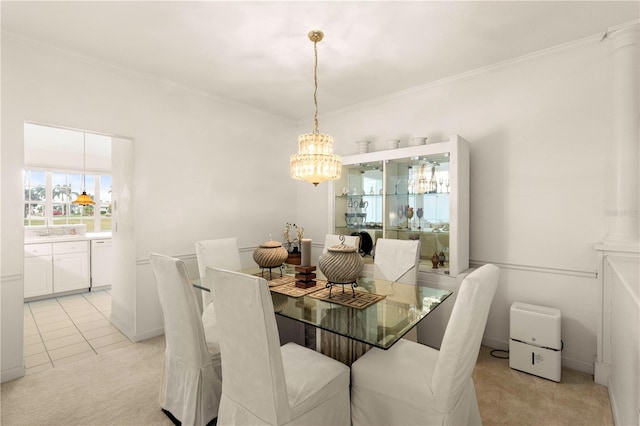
(258, 53)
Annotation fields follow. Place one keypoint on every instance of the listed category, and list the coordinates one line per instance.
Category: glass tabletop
(381, 324)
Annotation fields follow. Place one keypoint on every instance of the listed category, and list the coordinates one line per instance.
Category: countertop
(98, 235)
(63, 238)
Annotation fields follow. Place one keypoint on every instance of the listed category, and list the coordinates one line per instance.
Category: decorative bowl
(341, 264)
(270, 254)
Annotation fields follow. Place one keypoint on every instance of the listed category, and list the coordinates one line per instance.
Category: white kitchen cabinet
(38, 270)
(101, 263)
(70, 266)
(51, 268)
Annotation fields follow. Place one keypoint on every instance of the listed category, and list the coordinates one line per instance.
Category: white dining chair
(219, 253)
(398, 260)
(331, 240)
(265, 383)
(191, 384)
(412, 384)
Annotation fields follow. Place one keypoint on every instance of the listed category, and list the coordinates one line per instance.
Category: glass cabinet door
(359, 201)
(417, 204)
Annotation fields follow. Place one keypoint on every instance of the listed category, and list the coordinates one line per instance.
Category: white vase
(363, 146)
(393, 143)
(418, 141)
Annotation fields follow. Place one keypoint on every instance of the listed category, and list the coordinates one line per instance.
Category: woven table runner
(361, 301)
(290, 289)
(277, 279)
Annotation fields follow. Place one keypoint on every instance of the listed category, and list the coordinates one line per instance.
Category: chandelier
(315, 161)
(421, 179)
(84, 199)
(423, 182)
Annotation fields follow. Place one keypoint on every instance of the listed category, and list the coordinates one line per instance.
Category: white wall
(538, 130)
(203, 168)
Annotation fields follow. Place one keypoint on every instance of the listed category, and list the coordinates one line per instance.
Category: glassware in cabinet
(358, 198)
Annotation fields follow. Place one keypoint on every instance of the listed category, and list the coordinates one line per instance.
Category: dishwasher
(101, 266)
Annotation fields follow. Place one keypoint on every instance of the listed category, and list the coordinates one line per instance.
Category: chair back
(463, 336)
(183, 328)
(218, 253)
(331, 240)
(397, 260)
(249, 345)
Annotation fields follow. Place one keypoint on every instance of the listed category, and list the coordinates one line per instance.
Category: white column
(622, 211)
(624, 207)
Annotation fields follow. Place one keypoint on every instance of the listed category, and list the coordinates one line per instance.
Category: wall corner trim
(12, 374)
(601, 373)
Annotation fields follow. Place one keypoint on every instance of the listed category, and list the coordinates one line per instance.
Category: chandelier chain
(84, 161)
(315, 85)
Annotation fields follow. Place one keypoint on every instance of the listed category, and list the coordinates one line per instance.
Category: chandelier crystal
(315, 161)
(421, 179)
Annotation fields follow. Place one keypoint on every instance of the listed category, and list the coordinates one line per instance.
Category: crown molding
(624, 26)
(593, 39)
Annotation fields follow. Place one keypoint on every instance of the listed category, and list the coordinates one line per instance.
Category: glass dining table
(400, 308)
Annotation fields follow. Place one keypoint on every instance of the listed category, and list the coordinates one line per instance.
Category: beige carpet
(121, 388)
(117, 388)
(510, 397)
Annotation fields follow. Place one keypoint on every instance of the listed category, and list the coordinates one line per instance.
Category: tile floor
(68, 328)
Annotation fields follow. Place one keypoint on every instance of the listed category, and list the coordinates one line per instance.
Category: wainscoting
(618, 360)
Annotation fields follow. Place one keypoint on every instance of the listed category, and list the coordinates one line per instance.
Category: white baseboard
(602, 373)
(148, 334)
(122, 327)
(495, 344)
(12, 374)
(614, 405)
(576, 364)
(133, 336)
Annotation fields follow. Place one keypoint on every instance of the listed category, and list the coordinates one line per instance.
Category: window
(49, 196)
(34, 197)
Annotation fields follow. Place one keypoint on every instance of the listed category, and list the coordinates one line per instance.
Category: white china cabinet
(418, 192)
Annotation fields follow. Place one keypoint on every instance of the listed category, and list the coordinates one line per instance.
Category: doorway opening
(60, 163)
